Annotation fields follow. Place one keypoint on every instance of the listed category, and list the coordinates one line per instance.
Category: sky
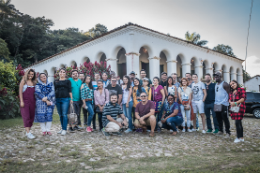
(217, 21)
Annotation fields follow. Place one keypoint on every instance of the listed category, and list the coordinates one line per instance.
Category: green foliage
(4, 51)
(226, 49)
(7, 77)
(98, 30)
(246, 76)
(195, 39)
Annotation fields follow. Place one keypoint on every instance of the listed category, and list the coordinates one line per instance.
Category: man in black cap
(221, 103)
(132, 77)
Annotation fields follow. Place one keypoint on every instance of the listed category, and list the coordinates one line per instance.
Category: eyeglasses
(142, 96)
(170, 98)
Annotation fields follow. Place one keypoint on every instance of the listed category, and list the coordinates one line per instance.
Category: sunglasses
(217, 89)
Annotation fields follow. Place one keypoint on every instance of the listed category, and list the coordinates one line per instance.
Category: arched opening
(103, 58)
(179, 66)
(73, 64)
(231, 71)
(144, 62)
(46, 72)
(121, 63)
(224, 70)
(85, 59)
(192, 67)
(163, 64)
(63, 66)
(238, 77)
(204, 69)
(215, 67)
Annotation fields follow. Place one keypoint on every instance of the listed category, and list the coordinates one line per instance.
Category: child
(147, 89)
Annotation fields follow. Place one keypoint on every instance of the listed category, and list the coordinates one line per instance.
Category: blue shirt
(170, 109)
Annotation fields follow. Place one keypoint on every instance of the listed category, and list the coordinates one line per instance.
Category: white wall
(253, 84)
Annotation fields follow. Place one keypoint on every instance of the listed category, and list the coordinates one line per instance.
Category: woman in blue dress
(45, 102)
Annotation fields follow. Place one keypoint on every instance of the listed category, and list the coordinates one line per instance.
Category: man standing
(163, 81)
(221, 103)
(143, 75)
(209, 104)
(144, 114)
(113, 88)
(199, 95)
(188, 76)
(132, 77)
(77, 103)
(109, 118)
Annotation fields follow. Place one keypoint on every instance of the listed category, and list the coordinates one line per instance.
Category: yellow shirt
(149, 93)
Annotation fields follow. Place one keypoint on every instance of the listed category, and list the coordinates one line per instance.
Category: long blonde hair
(25, 77)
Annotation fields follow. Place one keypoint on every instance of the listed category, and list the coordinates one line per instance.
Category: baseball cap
(218, 73)
(132, 72)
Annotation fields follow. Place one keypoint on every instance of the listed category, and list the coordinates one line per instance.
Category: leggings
(239, 128)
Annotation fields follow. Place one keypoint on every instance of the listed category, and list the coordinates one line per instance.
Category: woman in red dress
(237, 97)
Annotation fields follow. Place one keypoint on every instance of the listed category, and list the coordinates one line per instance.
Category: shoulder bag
(73, 118)
(236, 108)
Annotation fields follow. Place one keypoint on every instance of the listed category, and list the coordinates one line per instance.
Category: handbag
(158, 104)
(73, 118)
(185, 100)
(236, 108)
(217, 108)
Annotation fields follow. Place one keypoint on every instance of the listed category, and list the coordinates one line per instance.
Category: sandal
(151, 134)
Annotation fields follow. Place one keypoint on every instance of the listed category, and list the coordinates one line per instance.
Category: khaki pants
(113, 127)
(147, 122)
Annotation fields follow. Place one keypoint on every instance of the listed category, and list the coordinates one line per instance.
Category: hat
(132, 72)
(218, 73)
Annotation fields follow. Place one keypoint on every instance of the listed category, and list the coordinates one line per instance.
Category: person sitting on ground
(144, 114)
(110, 121)
(172, 116)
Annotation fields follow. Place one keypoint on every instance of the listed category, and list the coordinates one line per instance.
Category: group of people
(132, 104)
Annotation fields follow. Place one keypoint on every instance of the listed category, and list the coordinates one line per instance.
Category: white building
(132, 47)
(253, 84)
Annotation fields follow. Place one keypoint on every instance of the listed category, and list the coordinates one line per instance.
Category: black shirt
(62, 88)
(114, 90)
(163, 83)
(210, 93)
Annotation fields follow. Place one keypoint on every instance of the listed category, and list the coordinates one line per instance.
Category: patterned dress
(43, 112)
(241, 93)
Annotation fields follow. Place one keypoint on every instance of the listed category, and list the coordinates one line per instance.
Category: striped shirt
(111, 110)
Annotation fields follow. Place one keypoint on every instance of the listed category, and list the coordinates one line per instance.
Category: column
(240, 79)
(113, 64)
(171, 67)
(154, 66)
(132, 63)
(199, 72)
(185, 68)
(226, 77)
(233, 76)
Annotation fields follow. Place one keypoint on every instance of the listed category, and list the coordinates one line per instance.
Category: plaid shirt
(241, 93)
(86, 92)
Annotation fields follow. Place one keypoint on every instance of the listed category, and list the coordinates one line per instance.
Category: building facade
(132, 47)
(253, 84)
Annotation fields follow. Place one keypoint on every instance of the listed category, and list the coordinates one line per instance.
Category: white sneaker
(194, 130)
(171, 130)
(30, 136)
(203, 131)
(183, 130)
(60, 131)
(242, 140)
(189, 130)
(63, 132)
(237, 140)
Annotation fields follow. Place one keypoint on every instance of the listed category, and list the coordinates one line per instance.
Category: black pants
(100, 121)
(223, 116)
(239, 128)
(77, 107)
(133, 114)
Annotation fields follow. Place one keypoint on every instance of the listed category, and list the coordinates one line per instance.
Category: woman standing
(27, 100)
(45, 101)
(137, 89)
(127, 102)
(87, 96)
(237, 98)
(170, 88)
(158, 96)
(63, 94)
(185, 99)
(101, 97)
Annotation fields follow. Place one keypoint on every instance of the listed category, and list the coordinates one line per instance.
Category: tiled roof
(119, 28)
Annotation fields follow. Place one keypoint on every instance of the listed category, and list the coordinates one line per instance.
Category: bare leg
(27, 129)
(152, 122)
(194, 121)
(203, 118)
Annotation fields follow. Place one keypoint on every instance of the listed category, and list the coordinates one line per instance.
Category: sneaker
(88, 129)
(189, 130)
(183, 130)
(237, 140)
(63, 133)
(227, 135)
(220, 133)
(75, 128)
(171, 130)
(148, 130)
(242, 140)
(71, 130)
(43, 133)
(49, 133)
(209, 131)
(117, 133)
(105, 133)
(128, 131)
(216, 131)
(203, 131)
(30, 136)
(59, 132)
(79, 127)
(194, 130)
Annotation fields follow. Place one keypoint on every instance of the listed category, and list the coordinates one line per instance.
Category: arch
(46, 72)
(73, 64)
(144, 61)
(147, 49)
(215, 67)
(180, 59)
(85, 59)
(163, 64)
(224, 68)
(238, 71)
(224, 71)
(121, 63)
(101, 56)
(231, 71)
(63, 66)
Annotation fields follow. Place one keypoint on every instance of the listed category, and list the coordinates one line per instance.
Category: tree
(226, 49)
(195, 39)
(246, 76)
(96, 31)
(4, 51)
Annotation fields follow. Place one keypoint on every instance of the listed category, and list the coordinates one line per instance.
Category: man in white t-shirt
(199, 95)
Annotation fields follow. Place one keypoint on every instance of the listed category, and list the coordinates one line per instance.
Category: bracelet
(236, 103)
(162, 119)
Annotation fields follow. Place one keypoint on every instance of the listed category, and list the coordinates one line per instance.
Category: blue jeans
(172, 122)
(90, 112)
(208, 108)
(62, 105)
(128, 113)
